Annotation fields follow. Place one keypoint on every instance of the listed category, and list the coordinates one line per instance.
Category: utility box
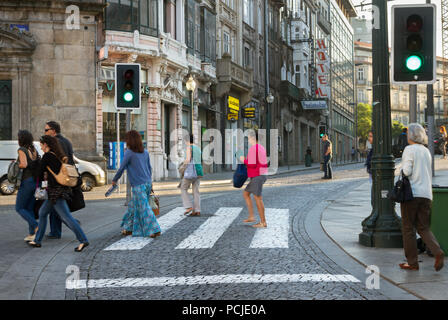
(439, 216)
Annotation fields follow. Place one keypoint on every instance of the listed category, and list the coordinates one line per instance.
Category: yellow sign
(234, 107)
(234, 104)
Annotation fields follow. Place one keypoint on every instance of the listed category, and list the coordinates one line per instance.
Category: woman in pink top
(257, 169)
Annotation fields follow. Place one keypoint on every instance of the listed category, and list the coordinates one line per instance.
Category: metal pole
(430, 114)
(192, 113)
(382, 229)
(128, 183)
(266, 75)
(412, 103)
(118, 146)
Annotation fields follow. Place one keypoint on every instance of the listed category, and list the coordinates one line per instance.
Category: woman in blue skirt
(139, 220)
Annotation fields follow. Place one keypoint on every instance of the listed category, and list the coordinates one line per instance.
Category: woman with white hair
(416, 214)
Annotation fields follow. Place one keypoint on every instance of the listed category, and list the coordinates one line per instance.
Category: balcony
(279, 3)
(323, 23)
(287, 89)
(231, 75)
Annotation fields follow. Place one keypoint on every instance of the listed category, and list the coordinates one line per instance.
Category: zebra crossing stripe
(211, 230)
(276, 234)
(166, 221)
(205, 280)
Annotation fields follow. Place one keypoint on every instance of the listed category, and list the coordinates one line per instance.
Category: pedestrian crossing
(276, 235)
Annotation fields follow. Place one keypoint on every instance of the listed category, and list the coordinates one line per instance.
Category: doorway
(6, 110)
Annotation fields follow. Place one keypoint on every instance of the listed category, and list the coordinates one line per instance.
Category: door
(5, 110)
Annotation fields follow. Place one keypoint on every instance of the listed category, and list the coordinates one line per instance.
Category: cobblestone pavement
(230, 268)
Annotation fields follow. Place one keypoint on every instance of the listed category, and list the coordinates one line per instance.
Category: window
(298, 76)
(226, 42)
(361, 75)
(6, 109)
(130, 15)
(247, 57)
(260, 20)
(190, 6)
(169, 7)
(208, 36)
(248, 14)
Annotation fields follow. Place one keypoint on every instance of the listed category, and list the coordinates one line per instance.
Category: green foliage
(364, 113)
(397, 128)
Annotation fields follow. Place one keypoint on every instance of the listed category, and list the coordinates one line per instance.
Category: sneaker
(30, 238)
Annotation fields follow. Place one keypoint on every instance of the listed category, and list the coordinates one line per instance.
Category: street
(213, 256)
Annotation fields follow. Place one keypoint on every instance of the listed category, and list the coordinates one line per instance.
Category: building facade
(47, 69)
(342, 108)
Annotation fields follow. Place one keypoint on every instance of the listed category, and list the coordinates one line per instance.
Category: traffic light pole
(430, 114)
(128, 183)
(412, 103)
(382, 228)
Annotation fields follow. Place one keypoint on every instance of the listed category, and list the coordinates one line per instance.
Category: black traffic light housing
(414, 44)
(127, 86)
(322, 130)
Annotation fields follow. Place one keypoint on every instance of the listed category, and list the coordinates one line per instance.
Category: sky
(394, 2)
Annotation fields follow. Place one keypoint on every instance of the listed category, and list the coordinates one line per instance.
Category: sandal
(188, 211)
(197, 213)
(406, 266)
(82, 248)
(155, 235)
(260, 225)
(34, 244)
(126, 233)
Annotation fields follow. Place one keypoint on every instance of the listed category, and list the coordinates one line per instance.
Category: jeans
(25, 203)
(63, 211)
(55, 224)
(327, 167)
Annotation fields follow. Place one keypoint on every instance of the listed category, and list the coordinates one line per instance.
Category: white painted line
(166, 221)
(211, 230)
(277, 232)
(204, 280)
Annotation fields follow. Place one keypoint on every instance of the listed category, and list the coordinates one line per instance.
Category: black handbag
(76, 201)
(402, 190)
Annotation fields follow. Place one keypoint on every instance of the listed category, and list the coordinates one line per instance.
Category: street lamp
(270, 98)
(191, 86)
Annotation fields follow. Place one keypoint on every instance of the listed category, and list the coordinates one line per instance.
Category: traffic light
(414, 44)
(127, 86)
(322, 131)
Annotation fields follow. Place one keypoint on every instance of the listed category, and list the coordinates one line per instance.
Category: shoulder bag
(402, 190)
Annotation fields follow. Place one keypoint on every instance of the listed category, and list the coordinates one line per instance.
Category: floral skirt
(140, 218)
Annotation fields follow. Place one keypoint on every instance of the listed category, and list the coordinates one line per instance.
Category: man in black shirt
(328, 173)
(53, 129)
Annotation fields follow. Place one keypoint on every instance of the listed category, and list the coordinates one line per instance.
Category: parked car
(92, 175)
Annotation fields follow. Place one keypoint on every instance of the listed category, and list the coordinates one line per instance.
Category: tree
(364, 114)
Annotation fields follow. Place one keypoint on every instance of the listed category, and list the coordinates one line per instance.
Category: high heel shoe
(86, 244)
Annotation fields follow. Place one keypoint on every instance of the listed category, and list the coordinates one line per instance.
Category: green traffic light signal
(128, 96)
(414, 63)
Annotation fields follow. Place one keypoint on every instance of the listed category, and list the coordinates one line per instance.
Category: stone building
(173, 40)
(47, 69)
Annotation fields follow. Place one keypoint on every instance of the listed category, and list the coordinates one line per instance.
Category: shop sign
(323, 69)
(234, 107)
(314, 104)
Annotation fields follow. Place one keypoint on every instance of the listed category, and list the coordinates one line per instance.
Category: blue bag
(240, 176)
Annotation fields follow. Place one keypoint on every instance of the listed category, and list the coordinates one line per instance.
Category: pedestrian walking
(403, 139)
(53, 129)
(192, 175)
(416, 214)
(444, 138)
(257, 170)
(368, 164)
(29, 163)
(328, 153)
(58, 194)
(139, 219)
(353, 153)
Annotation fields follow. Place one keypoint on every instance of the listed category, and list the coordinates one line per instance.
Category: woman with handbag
(192, 174)
(29, 162)
(139, 220)
(257, 170)
(416, 213)
(58, 194)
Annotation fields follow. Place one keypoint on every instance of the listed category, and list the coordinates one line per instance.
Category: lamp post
(191, 86)
(382, 228)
